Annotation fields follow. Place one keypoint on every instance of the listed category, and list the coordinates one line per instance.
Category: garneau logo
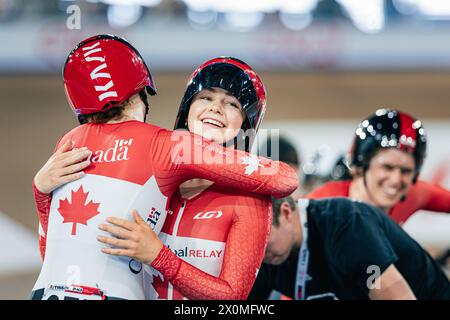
(208, 215)
(96, 74)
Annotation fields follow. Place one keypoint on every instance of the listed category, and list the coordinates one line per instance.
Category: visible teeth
(391, 191)
(213, 122)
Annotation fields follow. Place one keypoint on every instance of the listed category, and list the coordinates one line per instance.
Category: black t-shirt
(348, 243)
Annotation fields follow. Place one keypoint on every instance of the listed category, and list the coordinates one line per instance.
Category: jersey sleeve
(359, 247)
(421, 196)
(435, 197)
(42, 202)
(244, 251)
(179, 156)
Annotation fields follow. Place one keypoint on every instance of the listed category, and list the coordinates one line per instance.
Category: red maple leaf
(77, 211)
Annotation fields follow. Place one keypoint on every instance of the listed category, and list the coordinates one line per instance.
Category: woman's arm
(179, 156)
(244, 252)
(63, 166)
(42, 201)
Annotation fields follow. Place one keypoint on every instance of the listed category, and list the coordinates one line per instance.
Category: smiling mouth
(213, 122)
(392, 192)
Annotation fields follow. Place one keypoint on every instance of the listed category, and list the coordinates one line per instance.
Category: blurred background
(326, 64)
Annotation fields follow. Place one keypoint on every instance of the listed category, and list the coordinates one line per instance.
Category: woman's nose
(216, 107)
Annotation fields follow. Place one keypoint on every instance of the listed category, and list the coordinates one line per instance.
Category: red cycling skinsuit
(421, 196)
(134, 166)
(214, 245)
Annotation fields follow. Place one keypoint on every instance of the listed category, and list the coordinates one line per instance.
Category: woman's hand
(132, 239)
(64, 166)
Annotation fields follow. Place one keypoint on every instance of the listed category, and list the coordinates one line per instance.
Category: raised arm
(180, 156)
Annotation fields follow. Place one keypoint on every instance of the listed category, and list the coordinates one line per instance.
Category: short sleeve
(359, 245)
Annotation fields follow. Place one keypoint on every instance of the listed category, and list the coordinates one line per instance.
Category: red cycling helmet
(236, 77)
(389, 128)
(102, 72)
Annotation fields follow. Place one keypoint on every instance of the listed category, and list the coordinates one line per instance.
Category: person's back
(352, 240)
(120, 179)
(349, 246)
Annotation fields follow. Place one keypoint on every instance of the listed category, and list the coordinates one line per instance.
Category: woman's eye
(234, 105)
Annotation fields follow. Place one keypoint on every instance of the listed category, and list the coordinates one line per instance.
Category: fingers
(118, 232)
(71, 157)
(67, 146)
(125, 224)
(71, 177)
(137, 217)
(118, 243)
(74, 168)
(74, 156)
(117, 252)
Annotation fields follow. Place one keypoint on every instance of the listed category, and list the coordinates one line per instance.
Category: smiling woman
(216, 235)
(387, 156)
(216, 115)
(390, 178)
(223, 97)
(224, 85)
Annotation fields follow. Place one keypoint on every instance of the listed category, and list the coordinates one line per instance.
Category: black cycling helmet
(237, 78)
(389, 128)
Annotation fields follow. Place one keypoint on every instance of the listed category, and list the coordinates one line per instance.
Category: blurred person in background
(337, 248)
(286, 153)
(137, 171)
(386, 158)
(322, 167)
(311, 176)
